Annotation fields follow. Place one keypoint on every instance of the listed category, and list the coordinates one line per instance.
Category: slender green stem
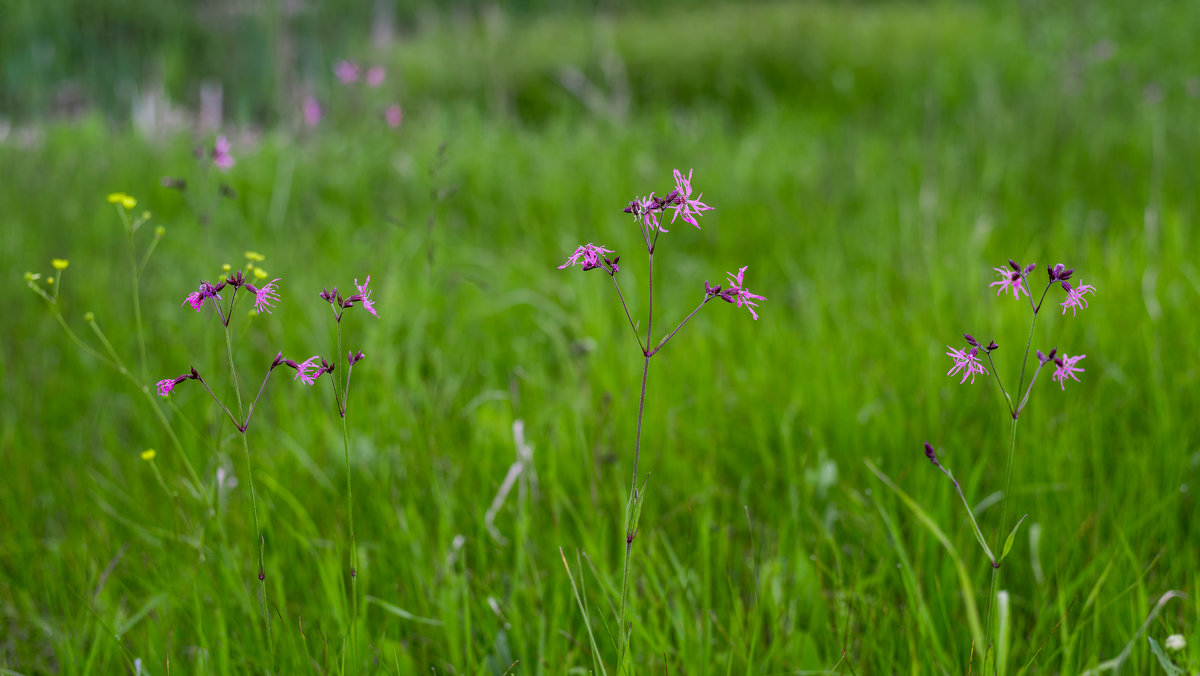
(662, 343)
(112, 353)
(149, 250)
(1029, 341)
(220, 403)
(82, 345)
(262, 566)
(1007, 399)
(1012, 446)
(349, 499)
(626, 308)
(631, 507)
(136, 291)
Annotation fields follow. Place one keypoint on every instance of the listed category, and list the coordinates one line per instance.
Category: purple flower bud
(1014, 265)
(353, 358)
(1029, 268)
(971, 340)
(1066, 274)
(992, 346)
(1041, 357)
(278, 360)
(1059, 270)
(974, 351)
(929, 453)
(1050, 272)
(1066, 287)
(1059, 361)
(1052, 353)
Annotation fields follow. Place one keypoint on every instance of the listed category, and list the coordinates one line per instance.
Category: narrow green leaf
(1008, 543)
(1167, 665)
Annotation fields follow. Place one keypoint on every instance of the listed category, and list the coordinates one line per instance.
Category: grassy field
(870, 164)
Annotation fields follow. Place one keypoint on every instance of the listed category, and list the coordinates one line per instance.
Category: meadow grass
(870, 163)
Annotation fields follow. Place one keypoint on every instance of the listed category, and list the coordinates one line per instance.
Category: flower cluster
(646, 212)
(737, 292)
(1015, 278)
(680, 199)
(363, 297)
(588, 256)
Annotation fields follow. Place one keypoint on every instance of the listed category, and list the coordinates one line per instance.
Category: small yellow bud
(227, 267)
(145, 215)
(116, 197)
(30, 276)
(160, 231)
(260, 273)
(255, 256)
(59, 263)
(49, 280)
(148, 454)
(128, 202)
(89, 317)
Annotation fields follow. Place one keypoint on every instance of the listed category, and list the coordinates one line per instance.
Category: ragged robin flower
(967, 362)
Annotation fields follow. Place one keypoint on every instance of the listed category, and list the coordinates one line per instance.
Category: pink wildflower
(196, 298)
(393, 115)
(1075, 300)
(308, 370)
(312, 111)
(1066, 369)
(588, 256)
(346, 71)
(375, 76)
(166, 386)
(221, 156)
(736, 293)
(364, 296)
(681, 200)
(1009, 280)
(967, 362)
(265, 297)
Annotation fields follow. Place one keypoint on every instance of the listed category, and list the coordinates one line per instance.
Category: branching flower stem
(262, 567)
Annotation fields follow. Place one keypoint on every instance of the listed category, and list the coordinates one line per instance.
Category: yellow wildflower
(255, 256)
(148, 454)
(59, 263)
(226, 267)
(117, 197)
(128, 202)
(260, 273)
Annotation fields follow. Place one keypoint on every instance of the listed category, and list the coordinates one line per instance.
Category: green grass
(869, 163)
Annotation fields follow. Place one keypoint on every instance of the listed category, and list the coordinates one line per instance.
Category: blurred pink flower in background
(221, 156)
(312, 111)
(394, 115)
(375, 75)
(346, 71)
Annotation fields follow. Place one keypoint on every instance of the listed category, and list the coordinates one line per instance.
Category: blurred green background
(870, 162)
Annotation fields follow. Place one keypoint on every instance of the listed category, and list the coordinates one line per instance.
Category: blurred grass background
(870, 162)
